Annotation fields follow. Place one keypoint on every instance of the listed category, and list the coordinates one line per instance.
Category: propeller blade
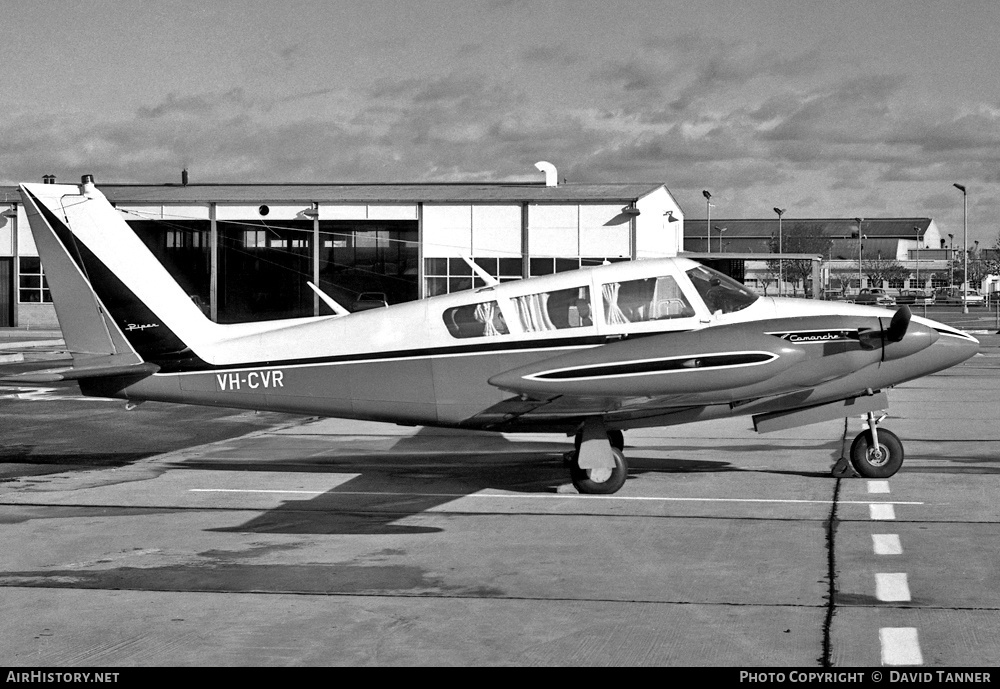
(898, 325)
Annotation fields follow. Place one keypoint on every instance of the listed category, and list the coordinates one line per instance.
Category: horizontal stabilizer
(55, 375)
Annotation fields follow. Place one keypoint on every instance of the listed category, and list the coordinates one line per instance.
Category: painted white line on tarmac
(900, 646)
(261, 490)
(882, 511)
(887, 544)
(878, 486)
(544, 496)
(892, 587)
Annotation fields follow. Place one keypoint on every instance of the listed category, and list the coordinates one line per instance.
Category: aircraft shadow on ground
(393, 486)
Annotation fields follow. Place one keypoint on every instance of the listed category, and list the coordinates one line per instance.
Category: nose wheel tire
(881, 462)
(603, 480)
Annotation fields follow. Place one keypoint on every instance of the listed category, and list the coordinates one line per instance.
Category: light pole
(781, 264)
(965, 244)
(721, 230)
(951, 260)
(861, 238)
(917, 230)
(708, 222)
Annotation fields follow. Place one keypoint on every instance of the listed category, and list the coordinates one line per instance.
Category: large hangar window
(447, 275)
(263, 269)
(368, 256)
(182, 246)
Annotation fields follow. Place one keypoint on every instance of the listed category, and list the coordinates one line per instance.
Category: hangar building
(915, 244)
(244, 252)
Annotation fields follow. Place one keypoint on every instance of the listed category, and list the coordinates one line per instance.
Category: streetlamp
(708, 222)
(781, 264)
(721, 230)
(951, 260)
(861, 238)
(965, 244)
(917, 230)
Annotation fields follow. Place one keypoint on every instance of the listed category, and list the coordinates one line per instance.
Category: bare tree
(879, 270)
(799, 239)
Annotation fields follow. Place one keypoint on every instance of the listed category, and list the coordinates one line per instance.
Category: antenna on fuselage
(328, 300)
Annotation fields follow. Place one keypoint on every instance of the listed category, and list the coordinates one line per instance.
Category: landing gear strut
(876, 452)
(597, 465)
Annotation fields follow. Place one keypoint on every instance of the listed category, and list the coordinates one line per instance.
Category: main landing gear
(597, 465)
(876, 452)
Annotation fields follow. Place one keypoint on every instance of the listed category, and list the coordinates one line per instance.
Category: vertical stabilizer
(112, 296)
(81, 318)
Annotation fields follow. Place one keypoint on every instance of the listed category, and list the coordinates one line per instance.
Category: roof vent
(551, 176)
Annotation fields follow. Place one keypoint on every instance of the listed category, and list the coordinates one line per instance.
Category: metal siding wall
(553, 230)
(496, 231)
(605, 231)
(447, 230)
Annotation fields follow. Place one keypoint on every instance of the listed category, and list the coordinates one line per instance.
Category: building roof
(754, 235)
(899, 228)
(369, 193)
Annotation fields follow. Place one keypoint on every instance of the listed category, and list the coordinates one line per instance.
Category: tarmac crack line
(826, 659)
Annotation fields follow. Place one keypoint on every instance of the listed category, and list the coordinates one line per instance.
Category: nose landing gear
(876, 453)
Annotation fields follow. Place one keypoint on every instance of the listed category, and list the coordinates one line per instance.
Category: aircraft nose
(954, 346)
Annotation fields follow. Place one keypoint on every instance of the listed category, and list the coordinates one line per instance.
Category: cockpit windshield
(720, 292)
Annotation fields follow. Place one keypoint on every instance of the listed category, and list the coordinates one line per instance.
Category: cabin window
(720, 292)
(565, 308)
(648, 299)
(475, 320)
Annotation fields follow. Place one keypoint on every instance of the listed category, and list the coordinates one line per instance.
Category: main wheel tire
(882, 464)
(601, 481)
(617, 439)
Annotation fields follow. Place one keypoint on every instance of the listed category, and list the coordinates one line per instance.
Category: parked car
(369, 300)
(833, 295)
(875, 296)
(953, 295)
(914, 296)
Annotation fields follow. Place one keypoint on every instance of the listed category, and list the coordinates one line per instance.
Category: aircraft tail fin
(117, 305)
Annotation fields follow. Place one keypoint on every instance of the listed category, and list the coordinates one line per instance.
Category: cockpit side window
(476, 320)
(720, 292)
(647, 299)
(564, 308)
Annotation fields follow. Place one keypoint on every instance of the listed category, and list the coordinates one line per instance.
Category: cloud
(198, 106)
(746, 121)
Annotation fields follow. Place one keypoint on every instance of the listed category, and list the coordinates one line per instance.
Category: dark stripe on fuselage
(632, 368)
(493, 347)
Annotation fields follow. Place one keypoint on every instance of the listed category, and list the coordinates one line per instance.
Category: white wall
(655, 235)
(481, 230)
(589, 230)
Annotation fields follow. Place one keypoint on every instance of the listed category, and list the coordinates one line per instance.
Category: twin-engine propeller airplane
(591, 352)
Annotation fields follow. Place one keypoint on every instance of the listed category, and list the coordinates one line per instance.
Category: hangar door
(6, 292)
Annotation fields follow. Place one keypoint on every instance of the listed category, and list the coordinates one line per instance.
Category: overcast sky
(829, 108)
